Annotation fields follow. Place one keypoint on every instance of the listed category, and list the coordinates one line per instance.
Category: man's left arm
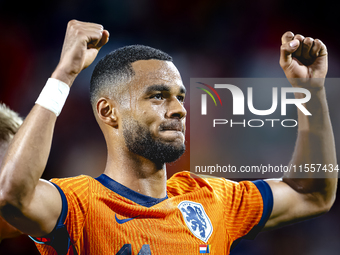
(304, 61)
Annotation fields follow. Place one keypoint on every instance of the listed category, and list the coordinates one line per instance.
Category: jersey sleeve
(248, 207)
(64, 239)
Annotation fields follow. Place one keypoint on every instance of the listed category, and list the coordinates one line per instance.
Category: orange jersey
(198, 215)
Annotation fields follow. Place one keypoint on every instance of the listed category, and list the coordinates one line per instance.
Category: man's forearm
(30, 204)
(306, 192)
(27, 156)
(315, 145)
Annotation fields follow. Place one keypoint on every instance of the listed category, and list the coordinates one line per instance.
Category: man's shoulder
(77, 184)
(186, 181)
(74, 179)
(198, 178)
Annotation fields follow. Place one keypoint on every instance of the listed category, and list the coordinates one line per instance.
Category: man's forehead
(153, 65)
(163, 87)
(157, 72)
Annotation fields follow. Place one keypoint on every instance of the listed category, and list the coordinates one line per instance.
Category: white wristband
(53, 95)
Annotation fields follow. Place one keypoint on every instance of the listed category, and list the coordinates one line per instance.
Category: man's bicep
(289, 205)
(40, 216)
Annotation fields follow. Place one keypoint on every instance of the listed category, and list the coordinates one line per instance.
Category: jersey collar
(128, 193)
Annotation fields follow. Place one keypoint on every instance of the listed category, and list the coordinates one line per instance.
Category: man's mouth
(172, 126)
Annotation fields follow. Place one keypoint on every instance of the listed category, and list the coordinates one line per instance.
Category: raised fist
(304, 60)
(82, 43)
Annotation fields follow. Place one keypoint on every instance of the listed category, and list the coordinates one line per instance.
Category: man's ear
(107, 111)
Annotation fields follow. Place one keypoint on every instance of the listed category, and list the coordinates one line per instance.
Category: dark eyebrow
(183, 90)
(162, 87)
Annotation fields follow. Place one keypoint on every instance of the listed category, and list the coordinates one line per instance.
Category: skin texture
(34, 205)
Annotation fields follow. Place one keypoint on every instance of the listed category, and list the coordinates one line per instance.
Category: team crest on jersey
(196, 219)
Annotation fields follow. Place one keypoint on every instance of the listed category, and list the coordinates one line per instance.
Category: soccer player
(137, 96)
(10, 122)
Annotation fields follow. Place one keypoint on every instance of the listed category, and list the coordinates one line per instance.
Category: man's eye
(157, 96)
(180, 98)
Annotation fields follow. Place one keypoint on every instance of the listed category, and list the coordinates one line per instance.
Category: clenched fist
(304, 60)
(82, 43)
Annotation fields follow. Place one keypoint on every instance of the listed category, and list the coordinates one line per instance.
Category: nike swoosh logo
(119, 221)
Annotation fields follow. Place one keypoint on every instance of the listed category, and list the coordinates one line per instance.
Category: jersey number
(126, 250)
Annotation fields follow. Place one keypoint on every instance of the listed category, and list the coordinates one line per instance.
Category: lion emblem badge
(196, 219)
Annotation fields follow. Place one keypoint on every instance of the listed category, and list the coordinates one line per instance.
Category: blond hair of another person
(10, 122)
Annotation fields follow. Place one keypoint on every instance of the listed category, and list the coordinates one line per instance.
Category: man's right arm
(30, 204)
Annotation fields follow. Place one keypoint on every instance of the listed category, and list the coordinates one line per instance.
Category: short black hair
(116, 66)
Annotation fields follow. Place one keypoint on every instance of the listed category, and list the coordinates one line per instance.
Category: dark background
(206, 39)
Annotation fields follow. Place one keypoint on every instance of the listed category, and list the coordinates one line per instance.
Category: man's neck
(138, 174)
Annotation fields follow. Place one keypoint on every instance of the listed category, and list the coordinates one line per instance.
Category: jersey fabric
(198, 215)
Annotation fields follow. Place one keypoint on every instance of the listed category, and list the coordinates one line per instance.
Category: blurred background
(207, 39)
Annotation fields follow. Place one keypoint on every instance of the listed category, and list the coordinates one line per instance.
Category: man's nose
(176, 109)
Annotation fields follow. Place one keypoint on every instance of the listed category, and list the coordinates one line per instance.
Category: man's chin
(175, 153)
(166, 147)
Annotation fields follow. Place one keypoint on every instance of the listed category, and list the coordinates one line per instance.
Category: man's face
(153, 119)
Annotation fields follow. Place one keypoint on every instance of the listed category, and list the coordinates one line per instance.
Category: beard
(139, 140)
